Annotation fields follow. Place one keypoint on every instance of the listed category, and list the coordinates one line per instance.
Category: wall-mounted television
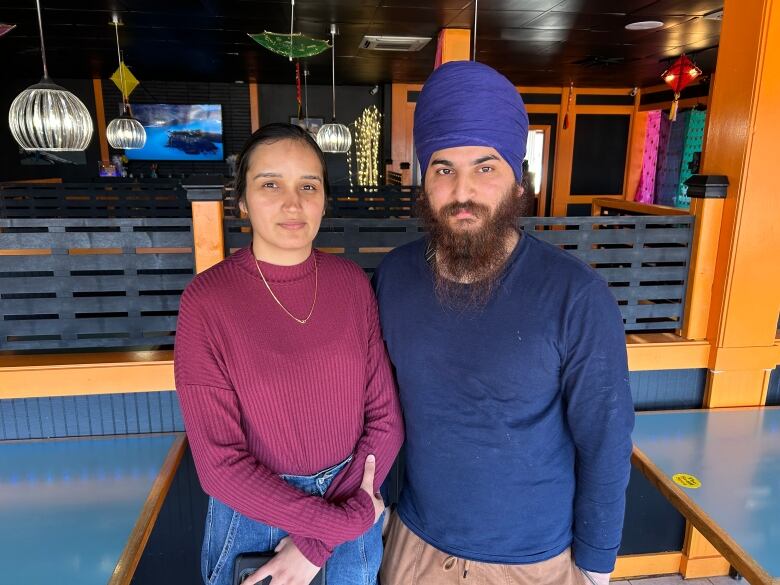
(191, 132)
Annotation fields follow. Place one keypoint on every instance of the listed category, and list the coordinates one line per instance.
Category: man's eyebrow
(312, 177)
(266, 175)
(483, 159)
(442, 161)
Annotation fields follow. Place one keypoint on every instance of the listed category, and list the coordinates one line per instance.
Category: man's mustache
(456, 207)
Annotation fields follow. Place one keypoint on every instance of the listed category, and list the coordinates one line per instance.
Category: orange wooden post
(742, 144)
(455, 44)
(733, 298)
(254, 106)
(205, 194)
(100, 114)
(564, 154)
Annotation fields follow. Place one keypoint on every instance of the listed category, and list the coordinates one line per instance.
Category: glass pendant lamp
(334, 137)
(46, 116)
(125, 131)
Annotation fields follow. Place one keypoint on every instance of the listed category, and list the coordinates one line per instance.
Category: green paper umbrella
(290, 45)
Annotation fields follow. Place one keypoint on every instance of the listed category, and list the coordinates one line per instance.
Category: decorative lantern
(681, 73)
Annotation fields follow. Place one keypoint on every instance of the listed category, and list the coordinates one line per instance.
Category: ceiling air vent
(717, 15)
(385, 43)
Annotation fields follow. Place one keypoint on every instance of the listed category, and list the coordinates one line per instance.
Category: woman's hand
(288, 567)
(368, 486)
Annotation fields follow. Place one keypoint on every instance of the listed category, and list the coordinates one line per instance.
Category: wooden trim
(719, 538)
(745, 358)
(538, 89)
(543, 109)
(100, 114)
(600, 203)
(208, 233)
(694, 568)
(609, 110)
(131, 555)
(700, 558)
(681, 104)
(665, 351)
(254, 106)
(628, 566)
(51, 180)
(602, 91)
(80, 374)
(84, 374)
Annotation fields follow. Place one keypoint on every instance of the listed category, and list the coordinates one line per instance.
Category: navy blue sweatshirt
(518, 416)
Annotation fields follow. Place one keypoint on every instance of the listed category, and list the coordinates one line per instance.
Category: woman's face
(285, 200)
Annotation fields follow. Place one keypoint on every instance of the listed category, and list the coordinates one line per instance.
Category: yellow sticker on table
(686, 480)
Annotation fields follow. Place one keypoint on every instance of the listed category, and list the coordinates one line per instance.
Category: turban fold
(465, 103)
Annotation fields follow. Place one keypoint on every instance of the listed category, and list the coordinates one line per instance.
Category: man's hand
(368, 487)
(288, 567)
(592, 578)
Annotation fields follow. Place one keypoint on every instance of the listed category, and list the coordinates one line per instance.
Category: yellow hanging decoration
(130, 81)
(368, 129)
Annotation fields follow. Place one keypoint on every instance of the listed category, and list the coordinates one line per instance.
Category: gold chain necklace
(314, 302)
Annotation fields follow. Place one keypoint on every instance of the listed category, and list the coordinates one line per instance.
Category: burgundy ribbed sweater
(262, 395)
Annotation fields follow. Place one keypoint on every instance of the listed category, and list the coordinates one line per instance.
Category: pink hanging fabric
(646, 187)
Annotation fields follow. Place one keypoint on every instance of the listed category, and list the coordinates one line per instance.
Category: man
(511, 364)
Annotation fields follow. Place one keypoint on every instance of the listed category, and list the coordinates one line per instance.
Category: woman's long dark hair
(269, 134)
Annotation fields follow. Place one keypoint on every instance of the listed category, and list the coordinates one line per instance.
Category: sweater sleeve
(226, 469)
(383, 431)
(600, 415)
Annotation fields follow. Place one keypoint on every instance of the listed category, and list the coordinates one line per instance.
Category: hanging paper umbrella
(290, 45)
(4, 28)
(681, 73)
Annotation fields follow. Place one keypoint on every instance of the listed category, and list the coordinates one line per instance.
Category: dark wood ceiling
(533, 42)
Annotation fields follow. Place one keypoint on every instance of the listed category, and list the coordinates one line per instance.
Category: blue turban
(465, 103)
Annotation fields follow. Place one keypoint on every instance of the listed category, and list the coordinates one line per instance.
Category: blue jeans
(228, 533)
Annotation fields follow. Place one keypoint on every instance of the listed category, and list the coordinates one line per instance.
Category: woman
(285, 387)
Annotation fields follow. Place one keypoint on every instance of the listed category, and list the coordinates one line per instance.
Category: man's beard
(476, 257)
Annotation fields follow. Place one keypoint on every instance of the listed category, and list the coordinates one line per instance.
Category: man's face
(465, 185)
(470, 209)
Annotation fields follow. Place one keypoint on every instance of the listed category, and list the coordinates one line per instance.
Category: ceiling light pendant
(46, 116)
(334, 137)
(125, 131)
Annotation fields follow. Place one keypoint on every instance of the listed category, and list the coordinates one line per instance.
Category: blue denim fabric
(228, 533)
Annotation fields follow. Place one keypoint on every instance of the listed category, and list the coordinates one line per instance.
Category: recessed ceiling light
(644, 25)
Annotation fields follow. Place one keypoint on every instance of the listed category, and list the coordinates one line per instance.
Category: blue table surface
(735, 454)
(67, 506)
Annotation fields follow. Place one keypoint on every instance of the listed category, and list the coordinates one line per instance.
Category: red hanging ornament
(681, 73)
(298, 86)
(568, 106)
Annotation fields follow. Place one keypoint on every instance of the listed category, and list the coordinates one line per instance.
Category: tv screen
(179, 132)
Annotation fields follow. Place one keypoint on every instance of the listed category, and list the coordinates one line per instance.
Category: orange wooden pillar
(205, 195)
(735, 278)
(741, 143)
(100, 115)
(254, 106)
(455, 44)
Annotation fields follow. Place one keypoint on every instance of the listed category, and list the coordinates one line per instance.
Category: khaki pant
(408, 560)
